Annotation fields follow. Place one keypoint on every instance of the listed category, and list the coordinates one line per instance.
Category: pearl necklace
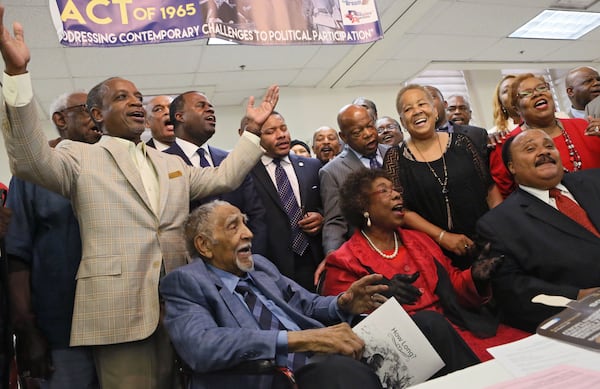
(386, 256)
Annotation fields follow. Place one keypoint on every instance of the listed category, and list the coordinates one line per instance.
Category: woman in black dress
(442, 178)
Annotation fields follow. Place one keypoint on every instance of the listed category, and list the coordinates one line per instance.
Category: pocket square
(175, 174)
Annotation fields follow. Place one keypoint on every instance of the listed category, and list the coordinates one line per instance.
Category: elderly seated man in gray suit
(230, 306)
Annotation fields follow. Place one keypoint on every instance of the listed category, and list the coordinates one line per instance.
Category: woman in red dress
(577, 141)
(420, 276)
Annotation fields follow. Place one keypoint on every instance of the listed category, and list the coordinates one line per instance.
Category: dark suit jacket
(478, 136)
(546, 252)
(279, 241)
(335, 228)
(212, 329)
(244, 197)
(150, 143)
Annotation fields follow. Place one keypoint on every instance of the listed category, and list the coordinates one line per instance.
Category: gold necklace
(386, 256)
(444, 183)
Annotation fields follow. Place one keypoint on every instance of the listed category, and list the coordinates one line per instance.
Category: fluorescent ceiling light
(552, 24)
(219, 41)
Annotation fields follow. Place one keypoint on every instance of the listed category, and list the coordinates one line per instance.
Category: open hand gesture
(259, 114)
(13, 48)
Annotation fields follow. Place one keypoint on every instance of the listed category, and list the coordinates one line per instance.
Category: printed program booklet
(579, 323)
(395, 347)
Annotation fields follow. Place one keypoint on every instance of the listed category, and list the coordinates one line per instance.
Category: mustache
(544, 158)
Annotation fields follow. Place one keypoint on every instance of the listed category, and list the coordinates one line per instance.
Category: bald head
(583, 85)
(357, 129)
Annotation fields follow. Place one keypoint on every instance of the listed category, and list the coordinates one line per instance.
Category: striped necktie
(290, 204)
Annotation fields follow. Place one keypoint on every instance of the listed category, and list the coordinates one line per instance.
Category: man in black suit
(194, 122)
(478, 135)
(545, 250)
(297, 263)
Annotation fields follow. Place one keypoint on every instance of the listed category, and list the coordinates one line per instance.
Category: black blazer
(546, 251)
(279, 242)
(245, 198)
(478, 136)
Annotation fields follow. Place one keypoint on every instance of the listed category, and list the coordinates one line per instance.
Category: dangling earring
(366, 215)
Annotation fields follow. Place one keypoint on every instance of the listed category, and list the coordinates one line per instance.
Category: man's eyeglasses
(389, 127)
(76, 108)
(529, 92)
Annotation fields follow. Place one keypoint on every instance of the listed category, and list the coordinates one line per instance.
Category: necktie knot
(373, 162)
(555, 192)
(203, 161)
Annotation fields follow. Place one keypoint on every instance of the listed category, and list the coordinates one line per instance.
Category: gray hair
(59, 103)
(200, 222)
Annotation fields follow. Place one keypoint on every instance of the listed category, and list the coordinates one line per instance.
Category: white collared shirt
(544, 194)
(366, 161)
(190, 151)
(287, 166)
(139, 156)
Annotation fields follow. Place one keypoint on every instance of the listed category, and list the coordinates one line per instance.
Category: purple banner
(105, 23)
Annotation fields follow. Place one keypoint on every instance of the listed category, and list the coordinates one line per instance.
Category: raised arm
(13, 48)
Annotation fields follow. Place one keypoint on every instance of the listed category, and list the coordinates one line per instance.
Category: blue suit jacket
(212, 329)
(279, 242)
(545, 251)
(244, 197)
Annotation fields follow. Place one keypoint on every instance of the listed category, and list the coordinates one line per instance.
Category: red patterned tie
(572, 210)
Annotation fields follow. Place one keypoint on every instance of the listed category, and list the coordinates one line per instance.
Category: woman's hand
(459, 244)
(593, 127)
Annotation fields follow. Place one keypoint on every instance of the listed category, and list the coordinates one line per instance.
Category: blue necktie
(288, 200)
(203, 160)
(373, 162)
(266, 320)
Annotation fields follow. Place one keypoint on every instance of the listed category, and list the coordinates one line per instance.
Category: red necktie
(572, 210)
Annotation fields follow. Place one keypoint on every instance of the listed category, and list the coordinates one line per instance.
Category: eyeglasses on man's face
(389, 127)
(529, 92)
(79, 108)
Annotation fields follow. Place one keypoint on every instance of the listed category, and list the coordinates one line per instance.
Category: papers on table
(537, 352)
(558, 377)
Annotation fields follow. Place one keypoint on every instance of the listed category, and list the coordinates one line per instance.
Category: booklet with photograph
(395, 347)
(579, 323)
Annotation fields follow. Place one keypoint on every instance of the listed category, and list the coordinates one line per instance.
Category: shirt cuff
(17, 90)
(251, 137)
(336, 313)
(281, 349)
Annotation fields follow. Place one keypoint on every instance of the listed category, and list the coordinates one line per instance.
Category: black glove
(484, 268)
(402, 289)
(33, 353)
